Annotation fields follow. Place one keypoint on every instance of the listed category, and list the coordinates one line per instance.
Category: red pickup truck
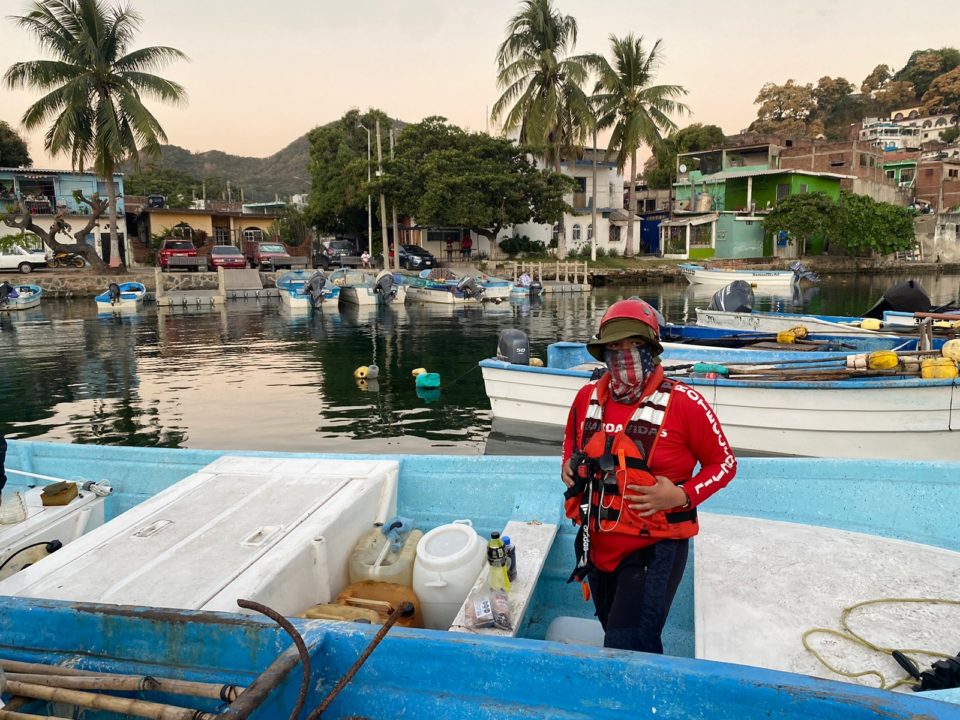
(177, 253)
(270, 255)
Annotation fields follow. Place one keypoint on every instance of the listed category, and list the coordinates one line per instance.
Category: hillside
(260, 178)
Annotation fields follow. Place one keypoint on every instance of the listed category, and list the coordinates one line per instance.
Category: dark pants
(3, 459)
(633, 601)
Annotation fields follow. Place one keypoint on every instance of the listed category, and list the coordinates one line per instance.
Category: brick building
(938, 182)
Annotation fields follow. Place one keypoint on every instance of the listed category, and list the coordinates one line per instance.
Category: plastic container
(449, 559)
(383, 598)
(938, 368)
(499, 569)
(373, 558)
(332, 611)
(575, 631)
(12, 509)
(511, 558)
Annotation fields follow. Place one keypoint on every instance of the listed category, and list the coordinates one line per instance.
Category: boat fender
(951, 349)
(711, 368)
(536, 362)
(883, 360)
(361, 373)
(373, 371)
(418, 371)
(938, 368)
(870, 324)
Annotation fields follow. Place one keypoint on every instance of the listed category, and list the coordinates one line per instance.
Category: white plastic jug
(374, 559)
(449, 559)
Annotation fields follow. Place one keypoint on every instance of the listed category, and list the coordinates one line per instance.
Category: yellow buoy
(536, 362)
(951, 349)
(870, 324)
(361, 372)
(883, 360)
(938, 368)
(362, 384)
(800, 332)
(786, 337)
(418, 371)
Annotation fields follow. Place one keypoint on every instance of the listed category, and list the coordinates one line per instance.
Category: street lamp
(369, 200)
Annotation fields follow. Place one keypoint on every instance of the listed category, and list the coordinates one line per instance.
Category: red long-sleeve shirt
(690, 434)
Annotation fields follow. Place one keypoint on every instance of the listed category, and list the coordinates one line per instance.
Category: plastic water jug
(449, 560)
(13, 510)
(374, 559)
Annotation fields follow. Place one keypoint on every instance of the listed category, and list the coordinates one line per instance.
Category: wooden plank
(533, 541)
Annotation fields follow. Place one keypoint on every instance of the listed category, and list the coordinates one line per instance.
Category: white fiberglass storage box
(277, 531)
(43, 524)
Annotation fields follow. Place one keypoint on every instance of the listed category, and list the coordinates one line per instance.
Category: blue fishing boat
(19, 297)
(123, 296)
(308, 288)
(713, 668)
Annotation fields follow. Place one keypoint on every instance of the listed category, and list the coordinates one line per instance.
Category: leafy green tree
(950, 135)
(93, 88)
(13, 148)
(944, 92)
(443, 175)
(542, 84)
(659, 170)
(292, 227)
(877, 78)
(176, 186)
(926, 65)
(865, 226)
(837, 106)
(637, 110)
(338, 167)
(788, 110)
(805, 216)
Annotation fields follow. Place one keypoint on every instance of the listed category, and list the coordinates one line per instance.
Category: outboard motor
(113, 291)
(468, 286)
(908, 296)
(735, 297)
(536, 288)
(314, 287)
(800, 273)
(385, 287)
(513, 347)
(7, 292)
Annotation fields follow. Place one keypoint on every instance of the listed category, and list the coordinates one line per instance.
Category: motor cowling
(385, 287)
(513, 347)
(800, 272)
(735, 297)
(470, 289)
(314, 287)
(907, 296)
(113, 292)
(7, 291)
(536, 288)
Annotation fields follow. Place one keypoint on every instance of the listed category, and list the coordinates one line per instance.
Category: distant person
(3, 460)
(365, 259)
(449, 250)
(466, 247)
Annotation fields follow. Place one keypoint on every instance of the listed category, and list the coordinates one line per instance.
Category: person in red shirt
(633, 440)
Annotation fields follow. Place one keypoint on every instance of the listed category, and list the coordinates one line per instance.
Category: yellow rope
(853, 637)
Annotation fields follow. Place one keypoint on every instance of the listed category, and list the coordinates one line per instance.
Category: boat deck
(760, 584)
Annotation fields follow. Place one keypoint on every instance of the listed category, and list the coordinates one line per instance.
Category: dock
(569, 276)
(232, 285)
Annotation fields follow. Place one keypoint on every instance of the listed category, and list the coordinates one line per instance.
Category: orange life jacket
(611, 462)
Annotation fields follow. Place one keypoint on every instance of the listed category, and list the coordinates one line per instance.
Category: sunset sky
(263, 73)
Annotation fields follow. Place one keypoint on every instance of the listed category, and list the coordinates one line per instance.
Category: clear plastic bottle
(497, 557)
(12, 509)
(511, 558)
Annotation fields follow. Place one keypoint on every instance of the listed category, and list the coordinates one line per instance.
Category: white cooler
(277, 531)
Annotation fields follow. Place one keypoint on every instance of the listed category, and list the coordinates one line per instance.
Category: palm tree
(637, 110)
(542, 84)
(93, 88)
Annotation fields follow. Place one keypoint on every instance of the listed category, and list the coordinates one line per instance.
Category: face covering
(629, 369)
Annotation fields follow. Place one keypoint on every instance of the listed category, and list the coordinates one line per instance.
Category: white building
(907, 128)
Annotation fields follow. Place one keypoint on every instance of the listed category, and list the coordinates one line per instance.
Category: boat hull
(777, 322)
(871, 418)
(699, 275)
(131, 298)
(362, 295)
(29, 296)
(437, 296)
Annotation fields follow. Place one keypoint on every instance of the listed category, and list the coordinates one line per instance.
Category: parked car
(176, 252)
(336, 253)
(15, 257)
(414, 257)
(225, 256)
(268, 255)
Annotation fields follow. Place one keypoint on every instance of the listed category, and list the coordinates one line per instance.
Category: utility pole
(383, 204)
(369, 197)
(593, 200)
(393, 209)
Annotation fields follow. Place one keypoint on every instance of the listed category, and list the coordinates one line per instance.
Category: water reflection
(255, 374)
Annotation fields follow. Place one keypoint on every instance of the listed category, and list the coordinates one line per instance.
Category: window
(952, 173)
(906, 174)
(891, 175)
(182, 230)
(581, 184)
(701, 236)
(803, 188)
(783, 190)
(590, 231)
(615, 234)
(576, 232)
(863, 160)
(221, 236)
(253, 234)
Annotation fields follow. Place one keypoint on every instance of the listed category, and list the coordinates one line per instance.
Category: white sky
(263, 73)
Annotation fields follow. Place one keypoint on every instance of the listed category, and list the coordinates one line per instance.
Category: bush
(612, 252)
(522, 244)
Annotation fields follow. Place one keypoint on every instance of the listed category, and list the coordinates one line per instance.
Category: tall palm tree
(636, 110)
(542, 84)
(94, 87)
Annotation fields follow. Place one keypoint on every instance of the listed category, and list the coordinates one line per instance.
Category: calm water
(257, 376)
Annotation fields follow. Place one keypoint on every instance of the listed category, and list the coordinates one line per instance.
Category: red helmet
(625, 319)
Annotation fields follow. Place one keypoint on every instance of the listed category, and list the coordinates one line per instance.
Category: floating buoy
(536, 362)
(883, 360)
(373, 372)
(361, 373)
(938, 368)
(362, 384)
(428, 380)
(418, 371)
(870, 324)
(951, 349)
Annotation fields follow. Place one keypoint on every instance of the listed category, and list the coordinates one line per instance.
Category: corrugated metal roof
(49, 171)
(724, 175)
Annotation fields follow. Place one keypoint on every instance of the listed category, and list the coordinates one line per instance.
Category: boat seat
(533, 541)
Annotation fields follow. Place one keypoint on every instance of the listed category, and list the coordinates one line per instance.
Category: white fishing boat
(369, 287)
(772, 322)
(19, 297)
(435, 287)
(889, 416)
(292, 286)
(120, 297)
(699, 275)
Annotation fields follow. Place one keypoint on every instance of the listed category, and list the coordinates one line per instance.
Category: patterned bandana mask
(629, 369)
